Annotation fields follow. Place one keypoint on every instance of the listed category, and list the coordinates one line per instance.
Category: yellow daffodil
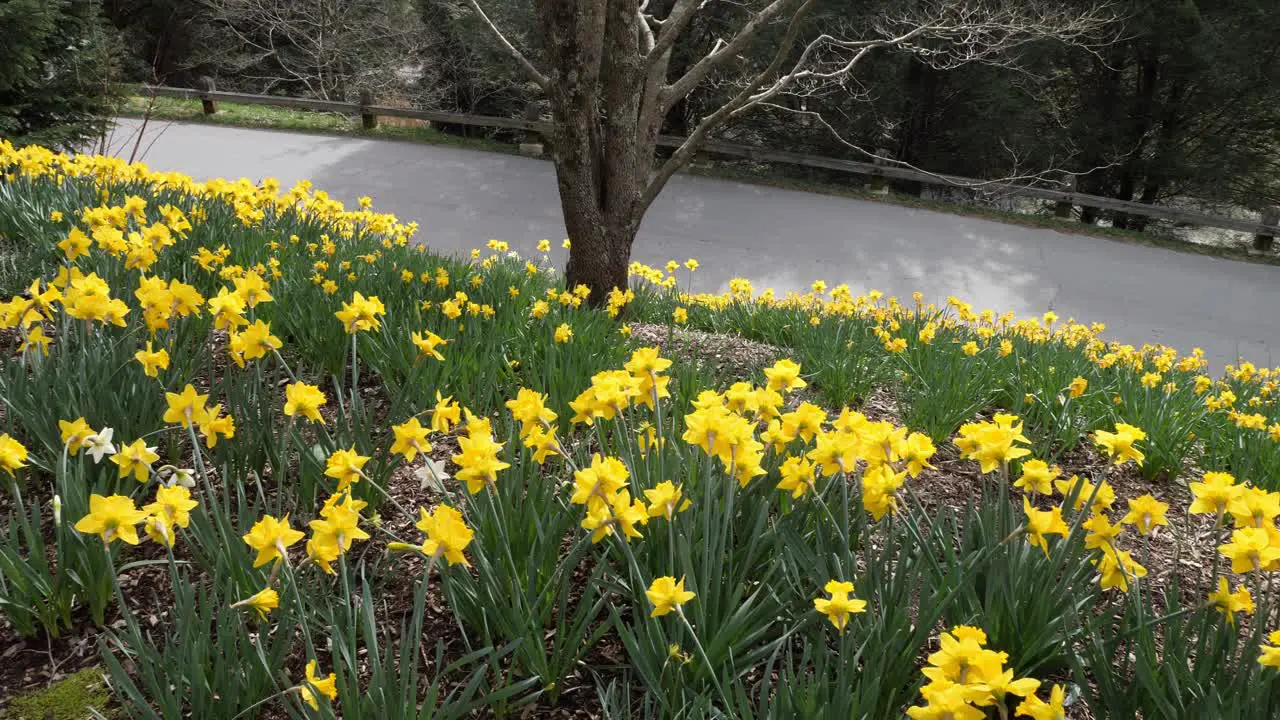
(1145, 514)
(1103, 496)
(1254, 507)
(1120, 445)
(345, 466)
(271, 537)
(797, 476)
(479, 460)
(445, 415)
(666, 499)
(962, 659)
(112, 517)
(326, 686)
(1004, 685)
(447, 534)
(217, 425)
(1229, 603)
(253, 343)
(1037, 477)
(75, 434)
(666, 595)
(1100, 533)
(1036, 709)
(171, 509)
(529, 409)
(262, 602)
(1250, 550)
(839, 606)
(1041, 523)
(1270, 654)
(1116, 567)
(427, 344)
(410, 439)
(135, 458)
(596, 484)
(305, 400)
(361, 313)
(1214, 494)
(75, 245)
(152, 361)
(185, 408)
(784, 376)
(336, 531)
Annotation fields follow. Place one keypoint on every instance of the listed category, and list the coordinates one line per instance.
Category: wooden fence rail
(1263, 230)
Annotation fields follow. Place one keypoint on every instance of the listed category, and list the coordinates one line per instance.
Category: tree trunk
(600, 203)
(922, 94)
(602, 151)
(599, 257)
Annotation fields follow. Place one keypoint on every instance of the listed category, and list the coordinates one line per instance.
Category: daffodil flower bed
(377, 482)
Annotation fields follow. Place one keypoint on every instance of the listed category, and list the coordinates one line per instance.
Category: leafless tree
(328, 47)
(605, 68)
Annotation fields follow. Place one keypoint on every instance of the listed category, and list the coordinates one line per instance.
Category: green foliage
(1219, 677)
(56, 71)
(535, 582)
(942, 386)
(211, 662)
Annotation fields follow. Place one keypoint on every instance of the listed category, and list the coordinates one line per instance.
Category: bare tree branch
(686, 150)
(671, 28)
(1044, 175)
(533, 72)
(609, 89)
(773, 12)
(328, 47)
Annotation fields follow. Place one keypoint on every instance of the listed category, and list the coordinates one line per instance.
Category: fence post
(879, 185)
(532, 144)
(368, 120)
(1063, 208)
(204, 84)
(1270, 216)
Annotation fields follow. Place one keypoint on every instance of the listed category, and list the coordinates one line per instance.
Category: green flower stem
(706, 661)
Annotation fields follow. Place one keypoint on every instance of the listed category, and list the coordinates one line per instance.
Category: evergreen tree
(55, 72)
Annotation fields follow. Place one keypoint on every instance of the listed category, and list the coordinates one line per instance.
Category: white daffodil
(99, 444)
(432, 475)
(182, 477)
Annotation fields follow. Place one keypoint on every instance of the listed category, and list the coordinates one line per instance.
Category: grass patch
(278, 118)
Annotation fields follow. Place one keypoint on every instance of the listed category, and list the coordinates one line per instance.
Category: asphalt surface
(776, 238)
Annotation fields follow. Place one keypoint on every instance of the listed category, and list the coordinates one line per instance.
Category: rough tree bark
(605, 69)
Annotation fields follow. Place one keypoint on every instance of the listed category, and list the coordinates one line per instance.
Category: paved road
(776, 238)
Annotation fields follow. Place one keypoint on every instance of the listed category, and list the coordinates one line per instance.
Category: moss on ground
(67, 699)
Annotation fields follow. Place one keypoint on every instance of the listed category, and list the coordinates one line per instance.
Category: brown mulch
(727, 355)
